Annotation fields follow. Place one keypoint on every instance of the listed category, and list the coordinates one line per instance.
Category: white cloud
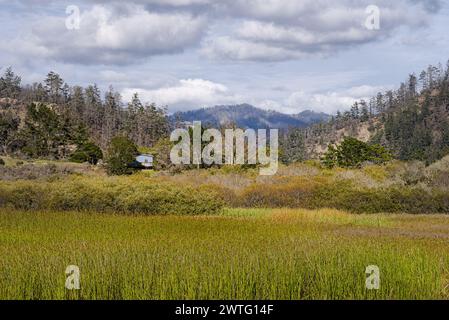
(110, 37)
(274, 30)
(329, 102)
(166, 3)
(238, 49)
(301, 38)
(259, 41)
(327, 14)
(187, 94)
(115, 32)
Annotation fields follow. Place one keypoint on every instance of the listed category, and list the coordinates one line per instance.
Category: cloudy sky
(284, 55)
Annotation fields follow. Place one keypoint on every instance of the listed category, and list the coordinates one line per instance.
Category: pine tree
(364, 114)
(293, 147)
(111, 123)
(54, 87)
(10, 84)
(9, 127)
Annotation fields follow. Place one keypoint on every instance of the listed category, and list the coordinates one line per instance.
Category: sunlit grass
(13, 162)
(242, 254)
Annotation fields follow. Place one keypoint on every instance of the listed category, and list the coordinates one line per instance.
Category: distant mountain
(312, 117)
(248, 116)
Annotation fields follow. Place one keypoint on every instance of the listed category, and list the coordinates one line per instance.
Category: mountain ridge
(249, 116)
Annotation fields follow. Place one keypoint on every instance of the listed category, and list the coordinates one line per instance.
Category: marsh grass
(241, 254)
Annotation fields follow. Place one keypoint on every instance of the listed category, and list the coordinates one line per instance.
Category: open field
(241, 254)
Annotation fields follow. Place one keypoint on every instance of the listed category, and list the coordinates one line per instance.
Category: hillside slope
(413, 121)
(247, 116)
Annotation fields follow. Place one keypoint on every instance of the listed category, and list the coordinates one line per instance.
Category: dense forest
(54, 120)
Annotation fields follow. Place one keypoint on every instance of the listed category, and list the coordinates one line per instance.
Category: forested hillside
(52, 119)
(412, 121)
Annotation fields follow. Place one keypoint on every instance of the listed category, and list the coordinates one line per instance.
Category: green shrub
(343, 195)
(395, 200)
(224, 194)
(378, 173)
(296, 192)
(121, 153)
(110, 195)
(167, 198)
(80, 195)
(87, 152)
(22, 195)
(352, 153)
(276, 196)
(161, 153)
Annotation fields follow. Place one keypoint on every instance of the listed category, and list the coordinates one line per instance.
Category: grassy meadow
(228, 233)
(238, 254)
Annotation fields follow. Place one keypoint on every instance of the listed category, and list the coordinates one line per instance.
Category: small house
(143, 161)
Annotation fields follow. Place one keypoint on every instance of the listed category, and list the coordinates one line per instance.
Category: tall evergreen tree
(10, 84)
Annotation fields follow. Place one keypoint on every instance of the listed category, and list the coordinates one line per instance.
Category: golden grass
(241, 254)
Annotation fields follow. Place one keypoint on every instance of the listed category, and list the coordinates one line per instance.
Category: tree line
(54, 120)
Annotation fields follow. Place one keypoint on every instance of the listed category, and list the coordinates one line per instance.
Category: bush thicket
(344, 196)
(352, 153)
(121, 153)
(119, 195)
(87, 152)
(394, 188)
